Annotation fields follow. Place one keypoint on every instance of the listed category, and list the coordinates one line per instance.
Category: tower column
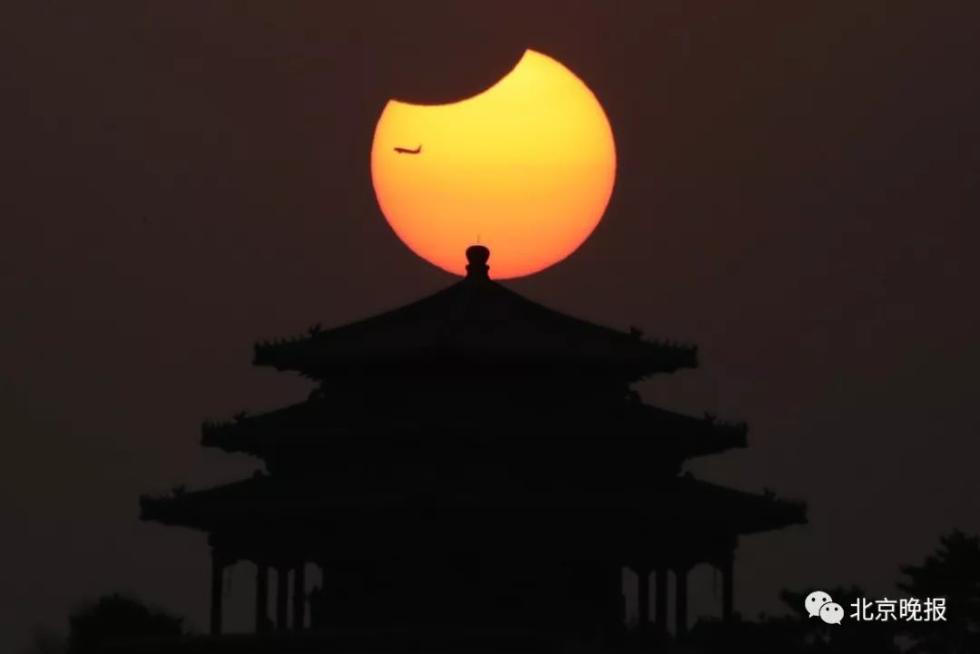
(217, 576)
(299, 596)
(680, 574)
(261, 598)
(282, 598)
(642, 598)
(617, 601)
(727, 568)
(660, 598)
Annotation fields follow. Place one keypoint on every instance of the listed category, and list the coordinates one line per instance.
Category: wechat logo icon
(819, 604)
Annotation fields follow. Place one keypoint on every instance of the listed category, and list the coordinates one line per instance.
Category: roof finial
(477, 256)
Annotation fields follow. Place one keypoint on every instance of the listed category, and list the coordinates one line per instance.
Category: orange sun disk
(525, 168)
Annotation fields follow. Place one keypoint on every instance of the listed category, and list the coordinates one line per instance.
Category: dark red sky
(797, 194)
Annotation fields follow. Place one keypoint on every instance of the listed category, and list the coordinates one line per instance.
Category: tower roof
(635, 426)
(475, 322)
(265, 500)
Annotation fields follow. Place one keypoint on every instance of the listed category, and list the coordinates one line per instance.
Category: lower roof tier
(306, 510)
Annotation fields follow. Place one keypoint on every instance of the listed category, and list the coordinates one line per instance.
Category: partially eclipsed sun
(525, 168)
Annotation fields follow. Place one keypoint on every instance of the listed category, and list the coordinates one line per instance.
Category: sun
(525, 168)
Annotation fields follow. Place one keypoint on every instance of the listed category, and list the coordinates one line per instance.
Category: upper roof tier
(474, 323)
(631, 427)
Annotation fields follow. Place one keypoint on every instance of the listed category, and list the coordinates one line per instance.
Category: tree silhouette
(952, 572)
(797, 633)
(863, 638)
(115, 617)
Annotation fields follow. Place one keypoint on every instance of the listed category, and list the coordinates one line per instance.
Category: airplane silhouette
(408, 151)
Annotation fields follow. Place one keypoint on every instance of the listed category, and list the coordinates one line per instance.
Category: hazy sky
(797, 194)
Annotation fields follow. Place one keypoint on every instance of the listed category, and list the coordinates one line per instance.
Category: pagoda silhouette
(472, 463)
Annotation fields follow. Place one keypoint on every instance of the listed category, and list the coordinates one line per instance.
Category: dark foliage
(952, 572)
(113, 618)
